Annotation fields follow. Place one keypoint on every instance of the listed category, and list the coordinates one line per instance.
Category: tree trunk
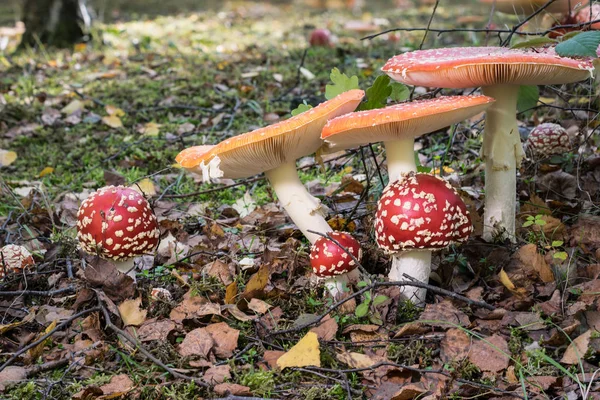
(59, 23)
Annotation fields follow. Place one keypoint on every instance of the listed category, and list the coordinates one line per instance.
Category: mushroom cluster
(499, 71)
(117, 223)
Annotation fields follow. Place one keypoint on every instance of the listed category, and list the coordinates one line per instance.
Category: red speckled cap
(465, 67)
(117, 222)
(14, 259)
(328, 259)
(548, 139)
(588, 14)
(401, 121)
(420, 211)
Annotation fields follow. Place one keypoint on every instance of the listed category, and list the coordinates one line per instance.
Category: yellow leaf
(7, 157)
(113, 121)
(257, 283)
(73, 106)
(145, 187)
(509, 285)
(305, 353)
(230, 293)
(46, 171)
(112, 110)
(37, 351)
(5, 62)
(131, 313)
(79, 47)
(151, 129)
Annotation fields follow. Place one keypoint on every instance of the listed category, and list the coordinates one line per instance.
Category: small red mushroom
(117, 223)
(548, 139)
(14, 259)
(416, 215)
(320, 37)
(332, 262)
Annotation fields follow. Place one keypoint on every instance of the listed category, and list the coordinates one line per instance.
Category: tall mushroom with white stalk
(336, 264)
(274, 150)
(397, 127)
(416, 215)
(116, 223)
(500, 71)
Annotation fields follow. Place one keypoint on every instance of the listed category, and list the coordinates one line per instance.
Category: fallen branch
(68, 289)
(142, 350)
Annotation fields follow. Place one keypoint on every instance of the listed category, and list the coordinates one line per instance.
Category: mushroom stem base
(127, 267)
(339, 284)
(304, 209)
(400, 155)
(416, 264)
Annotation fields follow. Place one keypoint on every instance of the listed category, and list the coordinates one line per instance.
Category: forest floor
(118, 109)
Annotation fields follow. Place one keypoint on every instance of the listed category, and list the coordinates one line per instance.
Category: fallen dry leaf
(577, 349)
(117, 387)
(505, 280)
(113, 121)
(131, 312)
(196, 343)
(257, 283)
(491, 354)
(327, 328)
(225, 338)
(258, 306)
(217, 374)
(153, 329)
(37, 351)
(7, 157)
(11, 375)
(455, 345)
(271, 357)
(305, 353)
(355, 360)
(231, 292)
(224, 389)
(145, 187)
(73, 106)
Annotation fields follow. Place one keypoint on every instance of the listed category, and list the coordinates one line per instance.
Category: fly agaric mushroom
(14, 259)
(398, 126)
(274, 150)
(548, 139)
(117, 223)
(588, 14)
(333, 263)
(499, 71)
(416, 215)
(527, 7)
(320, 37)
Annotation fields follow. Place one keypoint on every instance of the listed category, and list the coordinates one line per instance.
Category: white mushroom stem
(414, 263)
(338, 284)
(502, 152)
(127, 267)
(400, 156)
(303, 208)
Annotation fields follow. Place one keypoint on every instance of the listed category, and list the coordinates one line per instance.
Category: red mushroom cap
(14, 258)
(117, 222)
(588, 14)
(420, 211)
(328, 259)
(548, 139)
(320, 37)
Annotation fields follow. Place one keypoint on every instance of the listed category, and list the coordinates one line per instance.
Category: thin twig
(58, 327)
(68, 289)
(142, 350)
(374, 285)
